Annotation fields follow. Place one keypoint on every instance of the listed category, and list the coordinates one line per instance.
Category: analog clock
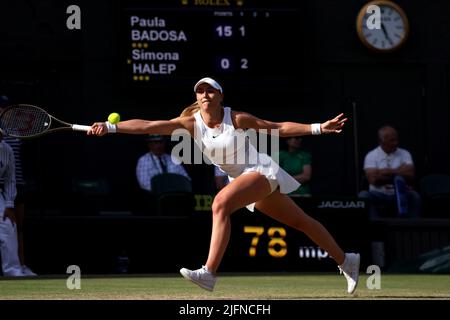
(391, 31)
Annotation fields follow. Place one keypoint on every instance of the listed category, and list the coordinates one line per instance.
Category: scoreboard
(246, 40)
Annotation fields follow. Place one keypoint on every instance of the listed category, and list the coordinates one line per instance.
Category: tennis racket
(28, 121)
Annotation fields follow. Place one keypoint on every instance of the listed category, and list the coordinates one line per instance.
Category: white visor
(213, 83)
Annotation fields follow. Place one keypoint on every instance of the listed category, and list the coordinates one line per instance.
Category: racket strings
(24, 121)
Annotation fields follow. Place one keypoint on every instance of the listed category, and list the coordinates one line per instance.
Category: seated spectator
(156, 161)
(297, 163)
(390, 173)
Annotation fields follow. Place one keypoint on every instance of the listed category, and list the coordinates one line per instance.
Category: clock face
(392, 32)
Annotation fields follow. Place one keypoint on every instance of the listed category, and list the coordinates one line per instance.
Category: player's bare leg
(283, 208)
(242, 191)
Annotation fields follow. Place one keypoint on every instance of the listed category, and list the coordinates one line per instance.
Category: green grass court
(229, 286)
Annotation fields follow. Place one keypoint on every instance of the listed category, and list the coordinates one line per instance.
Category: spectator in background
(19, 202)
(390, 173)
(156, 161)
(297, 163)
(11, 265)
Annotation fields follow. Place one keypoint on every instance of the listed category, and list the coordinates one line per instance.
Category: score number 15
(228, 63)
(226, 31)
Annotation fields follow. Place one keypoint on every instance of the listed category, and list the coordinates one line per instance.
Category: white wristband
(315, 129)
(112, 128)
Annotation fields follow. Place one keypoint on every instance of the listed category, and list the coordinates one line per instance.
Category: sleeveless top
(231, 151)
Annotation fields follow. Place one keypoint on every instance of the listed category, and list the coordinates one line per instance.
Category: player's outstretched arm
(139, 126)
(290, 129)
(334, 125)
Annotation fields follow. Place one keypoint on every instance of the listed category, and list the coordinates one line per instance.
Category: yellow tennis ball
(114, 118)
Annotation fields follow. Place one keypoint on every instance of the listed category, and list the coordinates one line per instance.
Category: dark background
(78, 76)
(316, 68)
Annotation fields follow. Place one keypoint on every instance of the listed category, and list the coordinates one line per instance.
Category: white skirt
(274, 173)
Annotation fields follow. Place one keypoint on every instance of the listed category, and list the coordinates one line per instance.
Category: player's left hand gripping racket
(28, 121)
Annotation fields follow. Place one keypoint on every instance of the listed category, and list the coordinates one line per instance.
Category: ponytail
(189, 111)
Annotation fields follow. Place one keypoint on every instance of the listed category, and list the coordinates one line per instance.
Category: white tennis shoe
(350, 269)
(201, 277)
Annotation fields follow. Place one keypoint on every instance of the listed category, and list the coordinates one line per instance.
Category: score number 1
(227, 31)
(228, 63)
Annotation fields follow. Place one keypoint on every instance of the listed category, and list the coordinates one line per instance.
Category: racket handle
(78, 127)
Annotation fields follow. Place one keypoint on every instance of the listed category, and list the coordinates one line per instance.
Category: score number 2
(276, 238)
(225, 63)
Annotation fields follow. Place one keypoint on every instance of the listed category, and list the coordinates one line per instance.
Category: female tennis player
(257, 182)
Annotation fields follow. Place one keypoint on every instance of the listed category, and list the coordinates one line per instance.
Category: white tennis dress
(231, 151)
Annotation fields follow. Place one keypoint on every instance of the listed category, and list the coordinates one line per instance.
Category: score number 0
(225, 63)
(226, 31)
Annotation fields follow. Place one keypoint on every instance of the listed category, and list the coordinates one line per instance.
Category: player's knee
(220, 206)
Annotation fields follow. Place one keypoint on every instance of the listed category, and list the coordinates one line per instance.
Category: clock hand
(386, 34)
